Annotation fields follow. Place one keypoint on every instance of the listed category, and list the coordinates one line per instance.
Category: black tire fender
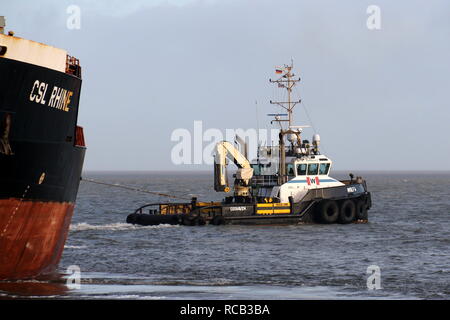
(347, 212)
(189, 220)
(201, 221)
(328, 211)
(218, 220)
(361, 209)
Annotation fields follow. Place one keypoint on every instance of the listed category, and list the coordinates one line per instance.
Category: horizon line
(204, 170)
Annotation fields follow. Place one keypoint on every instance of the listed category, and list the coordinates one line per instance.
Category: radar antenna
(287, 82)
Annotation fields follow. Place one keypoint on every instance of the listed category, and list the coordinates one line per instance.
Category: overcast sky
(378, 98)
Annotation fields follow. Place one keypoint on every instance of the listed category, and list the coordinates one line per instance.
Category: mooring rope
(133, 189)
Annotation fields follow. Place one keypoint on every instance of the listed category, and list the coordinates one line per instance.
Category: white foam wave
(83, 226)
(121, 297)
(74, 247)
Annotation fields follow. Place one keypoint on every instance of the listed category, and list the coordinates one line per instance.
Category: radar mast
(287, 82)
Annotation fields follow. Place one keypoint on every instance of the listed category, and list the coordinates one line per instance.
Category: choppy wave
(83, 226)
(125, 261)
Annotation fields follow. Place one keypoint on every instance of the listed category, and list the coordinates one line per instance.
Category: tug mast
(287, 82)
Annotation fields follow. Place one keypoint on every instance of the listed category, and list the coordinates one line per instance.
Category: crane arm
(225, 150)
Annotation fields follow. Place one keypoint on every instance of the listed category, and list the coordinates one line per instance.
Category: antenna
(257, 132)
(287, 82)
(277, 117)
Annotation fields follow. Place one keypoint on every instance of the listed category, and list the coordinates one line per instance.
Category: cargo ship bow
(41, 154)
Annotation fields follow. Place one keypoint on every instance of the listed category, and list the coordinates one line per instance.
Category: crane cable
(133, 189)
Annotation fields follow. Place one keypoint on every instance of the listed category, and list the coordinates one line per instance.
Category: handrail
(207, 207)
(139, 210)
(158, 204)
(264, 180)
(73, 66)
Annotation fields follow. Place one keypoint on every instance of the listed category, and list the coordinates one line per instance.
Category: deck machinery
(287, 184)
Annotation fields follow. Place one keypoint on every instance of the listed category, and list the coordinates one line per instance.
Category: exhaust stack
(2, 24)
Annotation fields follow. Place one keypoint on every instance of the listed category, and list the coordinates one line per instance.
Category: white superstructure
(310, 172)
(32, 52)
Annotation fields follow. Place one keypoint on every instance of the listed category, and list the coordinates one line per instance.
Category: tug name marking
(58, 98)
(238, 208)
(351, 190)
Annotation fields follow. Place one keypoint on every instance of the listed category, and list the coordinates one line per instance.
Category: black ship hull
(41, 157)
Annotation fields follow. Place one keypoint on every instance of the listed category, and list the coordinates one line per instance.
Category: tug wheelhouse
(308, 173)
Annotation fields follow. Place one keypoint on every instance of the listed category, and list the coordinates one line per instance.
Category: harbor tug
(288, 183)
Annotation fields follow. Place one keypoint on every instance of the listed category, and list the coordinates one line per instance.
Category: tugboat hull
(344, 204)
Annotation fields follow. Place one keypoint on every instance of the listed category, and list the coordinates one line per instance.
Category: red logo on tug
(315, 181)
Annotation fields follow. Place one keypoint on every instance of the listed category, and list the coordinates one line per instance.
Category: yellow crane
(224, 150)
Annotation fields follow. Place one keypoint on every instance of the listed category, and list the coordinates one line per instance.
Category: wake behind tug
(287, 184)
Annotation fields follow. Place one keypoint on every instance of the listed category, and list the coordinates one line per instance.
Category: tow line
(133, 188)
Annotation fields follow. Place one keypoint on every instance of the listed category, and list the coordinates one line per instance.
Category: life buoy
(347, 211)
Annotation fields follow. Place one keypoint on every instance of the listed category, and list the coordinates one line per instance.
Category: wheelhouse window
(324, 167)
(313, 168)
(290, 169)
(301, 169)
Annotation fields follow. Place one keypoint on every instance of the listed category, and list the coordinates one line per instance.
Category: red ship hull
(32, 238)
